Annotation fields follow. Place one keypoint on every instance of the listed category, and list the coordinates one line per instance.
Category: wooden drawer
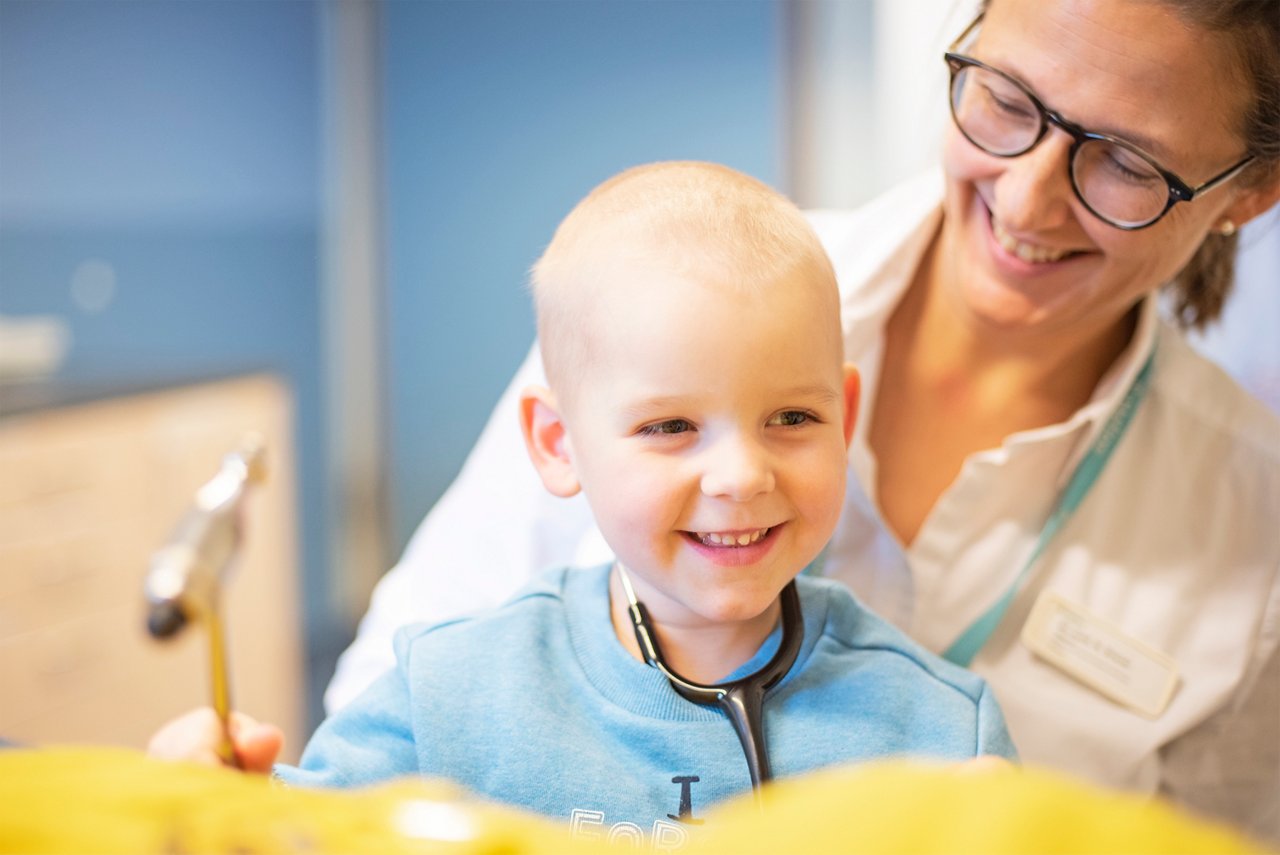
(88, 493)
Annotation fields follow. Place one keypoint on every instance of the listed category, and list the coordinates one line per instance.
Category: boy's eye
(791, 418)
(670, 426)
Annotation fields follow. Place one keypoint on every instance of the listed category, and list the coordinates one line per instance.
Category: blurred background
(314, 219)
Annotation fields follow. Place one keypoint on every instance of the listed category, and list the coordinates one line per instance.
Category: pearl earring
(1227, 228)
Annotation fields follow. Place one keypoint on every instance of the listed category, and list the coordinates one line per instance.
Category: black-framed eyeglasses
(1118, 182)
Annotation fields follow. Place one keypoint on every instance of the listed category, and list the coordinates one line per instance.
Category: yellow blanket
(105, 800)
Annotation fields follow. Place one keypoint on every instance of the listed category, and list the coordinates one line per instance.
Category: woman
(1050, 485)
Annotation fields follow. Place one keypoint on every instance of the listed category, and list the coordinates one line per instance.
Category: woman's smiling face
(1020, 253)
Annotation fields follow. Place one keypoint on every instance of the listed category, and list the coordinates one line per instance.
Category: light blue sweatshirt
(537, 704)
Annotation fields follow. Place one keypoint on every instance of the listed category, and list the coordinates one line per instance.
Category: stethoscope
(743, 699)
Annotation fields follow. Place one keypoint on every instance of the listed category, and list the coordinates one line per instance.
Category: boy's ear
(547, 441)
(852, 391)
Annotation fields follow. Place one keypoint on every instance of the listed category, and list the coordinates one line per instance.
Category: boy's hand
(983, 763)
(195, 737)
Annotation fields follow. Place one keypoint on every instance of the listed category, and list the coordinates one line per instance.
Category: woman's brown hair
(1252, 28)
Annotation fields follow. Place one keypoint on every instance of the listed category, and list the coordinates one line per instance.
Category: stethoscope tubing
(742, 700)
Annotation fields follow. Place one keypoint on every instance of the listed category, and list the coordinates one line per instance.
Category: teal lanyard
(964, 648)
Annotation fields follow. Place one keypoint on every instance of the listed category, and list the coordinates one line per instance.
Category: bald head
(701, 222)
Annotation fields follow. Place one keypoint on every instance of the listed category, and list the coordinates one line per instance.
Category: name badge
(1100, 655)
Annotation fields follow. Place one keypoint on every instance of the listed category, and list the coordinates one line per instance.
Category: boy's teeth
(713, 538)
(1025, 251)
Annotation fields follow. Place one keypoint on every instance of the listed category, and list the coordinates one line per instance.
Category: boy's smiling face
(709, 433)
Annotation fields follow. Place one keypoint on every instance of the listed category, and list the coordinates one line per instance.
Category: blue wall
(149, 111)
(174, 145)
(499, 117)
(178, 144)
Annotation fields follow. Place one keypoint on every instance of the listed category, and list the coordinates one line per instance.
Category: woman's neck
(701, 651)
(1038, 376)
(947, 390)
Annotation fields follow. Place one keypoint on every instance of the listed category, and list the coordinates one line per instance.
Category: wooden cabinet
(87, 493)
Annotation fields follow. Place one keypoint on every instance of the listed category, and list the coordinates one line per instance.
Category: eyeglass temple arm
(1180, 191)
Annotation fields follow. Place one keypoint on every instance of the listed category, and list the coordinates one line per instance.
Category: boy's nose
(1034, 191)
(737, 469)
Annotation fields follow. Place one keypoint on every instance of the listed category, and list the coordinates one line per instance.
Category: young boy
(689, 324)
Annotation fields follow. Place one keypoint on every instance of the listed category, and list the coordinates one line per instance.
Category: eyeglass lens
(998, 116)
